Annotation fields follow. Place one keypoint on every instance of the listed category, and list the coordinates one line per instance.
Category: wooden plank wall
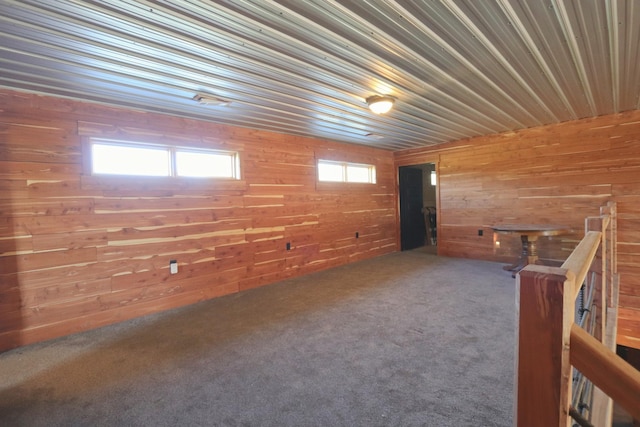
(553, 174)
(79, 252)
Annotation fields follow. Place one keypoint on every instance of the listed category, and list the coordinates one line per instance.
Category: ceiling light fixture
(380, 104)
(204, 99)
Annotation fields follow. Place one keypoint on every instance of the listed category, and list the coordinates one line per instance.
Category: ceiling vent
(374, 136)
(204, 99)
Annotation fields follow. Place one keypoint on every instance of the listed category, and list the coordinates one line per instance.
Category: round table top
(532, 229)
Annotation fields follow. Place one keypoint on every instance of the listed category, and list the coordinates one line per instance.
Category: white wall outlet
(173, 266)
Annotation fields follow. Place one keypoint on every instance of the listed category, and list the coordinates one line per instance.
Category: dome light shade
(380, 104)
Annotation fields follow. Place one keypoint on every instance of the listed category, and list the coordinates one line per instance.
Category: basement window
(332, 171)
(110, 157)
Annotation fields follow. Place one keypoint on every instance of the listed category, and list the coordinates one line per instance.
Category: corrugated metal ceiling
(457, 68)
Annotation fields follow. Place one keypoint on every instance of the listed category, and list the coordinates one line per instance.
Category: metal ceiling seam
(115, 87)
(288, 60)
(567, 30)
(245, 70)
(176, 51)
(445, 76)
(99, 62)
(463, 118)
(611, 8)
(56, 75)
(440, 111)
(285, 60)
(505, 63)
(608, 52)
(505, 37)
(538, 58)
(156, 70)
(457, 124)
(466, 63)
(72, 36)
(441, 106)
(461, 131)
(265, 124)
(44, 85)
(418, 132)
(101, 66)
(430, 123)
(635, 60)
(321, 34)
(364, 127)
(593, 40)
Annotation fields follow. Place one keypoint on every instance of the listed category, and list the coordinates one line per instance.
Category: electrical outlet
(173, 266)
(480, 232)
(288, 246)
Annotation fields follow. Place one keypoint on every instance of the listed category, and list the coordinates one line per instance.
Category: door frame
(435, 160)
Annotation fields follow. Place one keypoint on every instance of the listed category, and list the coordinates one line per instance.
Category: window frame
(233, 155)
(172, 151)
(345, 175)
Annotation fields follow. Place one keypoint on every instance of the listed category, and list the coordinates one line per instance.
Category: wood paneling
(79, 251)
(554, 174)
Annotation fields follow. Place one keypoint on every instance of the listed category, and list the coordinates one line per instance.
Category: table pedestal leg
(532, 249)
(518, 265)
(529, 255)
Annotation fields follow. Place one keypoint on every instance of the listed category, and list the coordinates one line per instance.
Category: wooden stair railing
(549, 342)
(606, 369)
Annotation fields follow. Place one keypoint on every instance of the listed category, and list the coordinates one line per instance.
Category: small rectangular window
(332, 171)
(196, 163)
(138, 159)
(119, 159)
(358, 173)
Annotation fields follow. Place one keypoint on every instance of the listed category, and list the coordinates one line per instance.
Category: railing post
(612, 211)
(600, 268)
(545, 306)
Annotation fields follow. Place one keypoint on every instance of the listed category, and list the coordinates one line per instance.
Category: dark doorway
(412, 225)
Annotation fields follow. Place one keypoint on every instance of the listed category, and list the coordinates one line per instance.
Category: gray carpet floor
(406, 339)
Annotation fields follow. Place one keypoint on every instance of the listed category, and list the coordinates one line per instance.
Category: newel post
(544, 314)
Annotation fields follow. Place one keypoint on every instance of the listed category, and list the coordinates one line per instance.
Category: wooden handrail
(606, 370)
(549, 342)
(543, 370)
(580, 259)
